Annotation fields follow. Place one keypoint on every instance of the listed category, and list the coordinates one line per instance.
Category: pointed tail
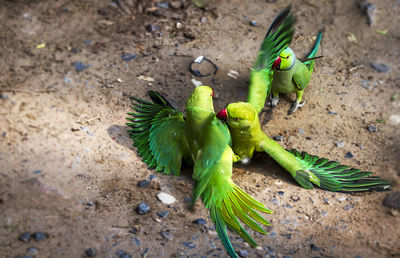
(332, 176)
(313, 52)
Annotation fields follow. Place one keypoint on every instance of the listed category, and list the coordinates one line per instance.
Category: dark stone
(136, 241)
(25, 237)
(151, 177)
(40, 236)
(189, 244)
(120, 252)
(295, 198)
(281, 193)
(144, 183)
(278, 138)
(314, 247)
(134, 230)
(125, 256)
(243, 253)
(32, 250)
(349, 155)
(164, 5)
(79, 66)
(287, 235)
(152, 28)
(129, 57)
(372, 128)
(348, 207)
(90, 252)
(392, 200)
(253, 23)
(332, 113)
(200, 221)
(37, 172)
(382, 68)
(166, 235)
(163, 214)
(143, 208)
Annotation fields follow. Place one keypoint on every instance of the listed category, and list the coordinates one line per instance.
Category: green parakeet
(292, 75)
(306, 169)
(278, 37)
(163, 137)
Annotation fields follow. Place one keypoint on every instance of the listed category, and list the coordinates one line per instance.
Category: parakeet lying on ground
(292, 75)
(247, 138)
(278, 37)
(163, 137)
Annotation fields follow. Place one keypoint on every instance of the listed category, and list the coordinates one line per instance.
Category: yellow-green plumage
(163, 137)
(247, 138)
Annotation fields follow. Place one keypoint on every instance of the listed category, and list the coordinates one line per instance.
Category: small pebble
(382, 68)
(339, 144)
(163, 214)
(301, 131)
(32, 250)
(372, 128)
(348, 207)
(166, 235)
(200, 221)
(314, 247)
(136, 241)
(166, 198)
(275, 201)
(134, 230)
(326, 200)
(125, 256)
(281, 193)
(349, 155)
(253, 23)
(295, 198)
(342, 198)
(143, 208)
(151, 177)
(164, 5)
(25, 237)
(271, 252)
(90, 203)
(332, 113)
(3, 134)
(278, 138)
(144, 183)
(129, 57)
(152, 28)
(120, 252)
(392, 200)
(189, 244)
(39, 236)
(90, 252)
(79, 66)
(243, 253)
(36, 172)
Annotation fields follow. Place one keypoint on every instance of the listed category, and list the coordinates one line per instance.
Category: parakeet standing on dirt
(306, 169)
(163, 137)
(292, 75)
(278, 37)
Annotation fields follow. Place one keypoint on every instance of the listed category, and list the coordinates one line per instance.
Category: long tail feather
(332, 176)
(313, 52)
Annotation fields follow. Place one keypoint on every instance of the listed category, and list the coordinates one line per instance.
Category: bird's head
(201, 97)
(285, 60)
(238, 115)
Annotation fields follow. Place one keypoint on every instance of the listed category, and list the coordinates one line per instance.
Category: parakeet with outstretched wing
(163, 137)
(306, 169)
(278, 37)
(292, 75)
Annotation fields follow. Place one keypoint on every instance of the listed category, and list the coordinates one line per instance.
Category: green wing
(278, 37)
(226, 201)
(157, 130)
(332, 176)
(301, 76)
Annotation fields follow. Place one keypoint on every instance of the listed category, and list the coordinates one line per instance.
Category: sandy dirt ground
(68, 168)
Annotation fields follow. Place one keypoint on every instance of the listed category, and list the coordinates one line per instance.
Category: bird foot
(295, 106)
(274, 101)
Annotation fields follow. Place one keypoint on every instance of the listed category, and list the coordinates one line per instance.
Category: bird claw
(295, 106)
(274, 101)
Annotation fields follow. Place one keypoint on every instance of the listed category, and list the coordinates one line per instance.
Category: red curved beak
(223, 114)
(212, 93)
(276, 63)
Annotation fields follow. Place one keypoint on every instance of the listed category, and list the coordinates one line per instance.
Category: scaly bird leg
(275, 99)
(298, 103)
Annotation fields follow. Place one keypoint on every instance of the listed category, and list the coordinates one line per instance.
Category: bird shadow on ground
(120, 135)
